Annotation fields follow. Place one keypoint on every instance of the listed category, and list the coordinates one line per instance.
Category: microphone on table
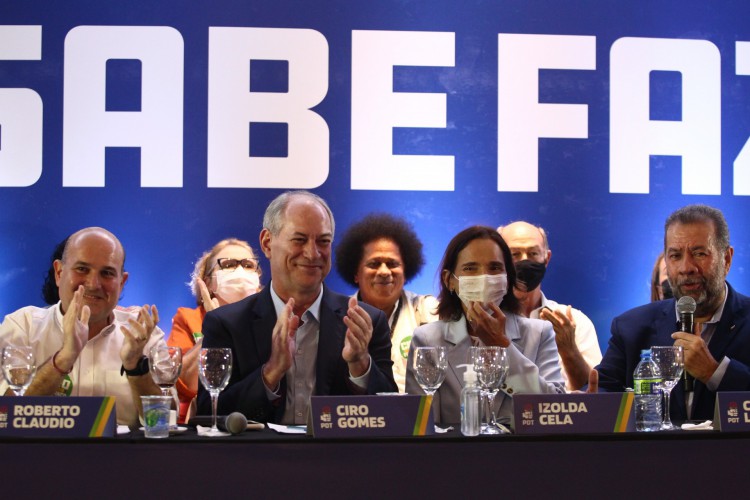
(686, 309)
(234, 423)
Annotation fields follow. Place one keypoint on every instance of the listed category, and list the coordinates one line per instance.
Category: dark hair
(450, 305)
(50, 293)
(692, 214)
(375, 226)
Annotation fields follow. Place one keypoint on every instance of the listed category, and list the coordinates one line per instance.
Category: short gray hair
(692, 214)
(273, 219)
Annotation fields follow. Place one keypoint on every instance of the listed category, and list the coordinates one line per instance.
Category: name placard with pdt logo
(52, 416)
(384, 416)
(579, 413)
(732, 412)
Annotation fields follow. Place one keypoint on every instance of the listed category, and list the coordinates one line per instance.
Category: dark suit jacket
(247, 326)
(652, 325)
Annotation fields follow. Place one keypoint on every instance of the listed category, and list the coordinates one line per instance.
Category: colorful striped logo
(623, 415)
(103, 416)
(423, 415)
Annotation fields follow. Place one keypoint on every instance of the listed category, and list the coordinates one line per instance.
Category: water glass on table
(671, 363)
(430, 364)
(19, 367)
(156, 416)
(491, 367)
(214, 369)
(165, 366)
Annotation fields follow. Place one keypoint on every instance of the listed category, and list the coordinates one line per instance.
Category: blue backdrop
(489, 78)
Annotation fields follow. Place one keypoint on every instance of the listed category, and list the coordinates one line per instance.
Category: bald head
(98, 232)
(93, 259)
(526, 241)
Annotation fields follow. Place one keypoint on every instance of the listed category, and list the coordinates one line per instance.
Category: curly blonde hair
(203, 266)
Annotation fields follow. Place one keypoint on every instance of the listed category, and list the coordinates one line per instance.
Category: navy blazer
(247, 326)
(652, 325)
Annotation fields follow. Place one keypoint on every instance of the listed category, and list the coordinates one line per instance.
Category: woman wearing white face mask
(475, 309)
(227, 273)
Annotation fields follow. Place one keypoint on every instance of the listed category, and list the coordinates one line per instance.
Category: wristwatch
(140, 369)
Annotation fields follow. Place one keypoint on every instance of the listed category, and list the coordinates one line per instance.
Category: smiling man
(83, 346)
(379, 255)
(297, 338)
(698, 258)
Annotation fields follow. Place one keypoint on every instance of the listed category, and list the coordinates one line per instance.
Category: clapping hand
(283, 346)
(209, 303)
(137, 334)
(357, 340)
(76, 324)
(564, 326)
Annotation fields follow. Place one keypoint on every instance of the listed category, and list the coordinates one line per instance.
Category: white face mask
(486, 288)
(233, 285)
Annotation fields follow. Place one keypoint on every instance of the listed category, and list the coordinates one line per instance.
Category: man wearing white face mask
(475, 309)
(226, 274)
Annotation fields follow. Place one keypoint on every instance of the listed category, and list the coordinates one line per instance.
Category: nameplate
(732, 412)
(383, 416)
(573, 413)
(60, 417)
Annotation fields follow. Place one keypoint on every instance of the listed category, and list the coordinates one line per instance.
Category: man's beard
(711, 292)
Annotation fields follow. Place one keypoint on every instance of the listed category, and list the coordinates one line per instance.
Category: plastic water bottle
(646, 379)
(471, 420)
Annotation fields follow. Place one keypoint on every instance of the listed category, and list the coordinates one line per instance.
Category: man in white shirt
(575, 334)
(82, 345)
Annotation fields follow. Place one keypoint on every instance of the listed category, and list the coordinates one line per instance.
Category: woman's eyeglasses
(249, 264)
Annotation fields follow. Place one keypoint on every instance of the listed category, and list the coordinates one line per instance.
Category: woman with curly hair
(379, 255)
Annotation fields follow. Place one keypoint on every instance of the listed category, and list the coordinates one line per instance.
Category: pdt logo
(733, 412)
(527, 416)
(326, 418)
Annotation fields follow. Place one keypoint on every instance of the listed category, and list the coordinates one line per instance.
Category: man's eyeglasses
(249, 264)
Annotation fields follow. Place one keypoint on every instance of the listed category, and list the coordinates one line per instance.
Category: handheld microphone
(686, 309)
(234, 423)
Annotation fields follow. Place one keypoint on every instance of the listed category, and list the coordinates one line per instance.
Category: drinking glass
(18, 367)
(671, 363)
(491, 367)
(214, 369)
(429, 367)
(165, 365)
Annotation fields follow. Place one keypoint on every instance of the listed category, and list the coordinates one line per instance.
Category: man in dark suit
(297, 338)
(698, 257)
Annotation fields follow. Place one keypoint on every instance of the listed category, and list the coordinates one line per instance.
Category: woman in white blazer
(480, 251)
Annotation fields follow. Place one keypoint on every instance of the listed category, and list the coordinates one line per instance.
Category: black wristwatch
(140, 369)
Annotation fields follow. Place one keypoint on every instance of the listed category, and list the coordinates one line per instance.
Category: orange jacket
(184, 323)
